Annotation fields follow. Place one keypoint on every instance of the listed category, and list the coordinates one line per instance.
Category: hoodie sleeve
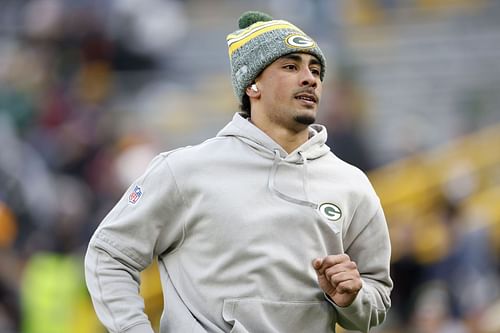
(145, 222)
(369, 246)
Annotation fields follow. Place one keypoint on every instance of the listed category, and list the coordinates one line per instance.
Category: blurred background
(91, 90)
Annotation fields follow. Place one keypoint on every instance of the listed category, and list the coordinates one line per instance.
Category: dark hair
(245, 104)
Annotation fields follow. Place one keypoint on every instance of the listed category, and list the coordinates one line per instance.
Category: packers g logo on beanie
(299, 41)
(259, 42)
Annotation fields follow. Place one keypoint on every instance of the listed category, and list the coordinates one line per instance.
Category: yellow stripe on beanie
(236, 45)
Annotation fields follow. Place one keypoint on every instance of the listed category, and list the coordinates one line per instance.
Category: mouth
(308, 98)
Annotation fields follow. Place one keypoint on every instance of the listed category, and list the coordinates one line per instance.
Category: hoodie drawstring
(272, 188)
(304, 176)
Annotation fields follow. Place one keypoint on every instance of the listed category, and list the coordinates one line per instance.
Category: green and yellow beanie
(259, 42)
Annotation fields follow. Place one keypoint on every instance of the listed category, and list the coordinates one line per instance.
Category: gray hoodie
(235, 223)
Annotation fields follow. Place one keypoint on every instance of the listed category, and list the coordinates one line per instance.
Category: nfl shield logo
(135, 195)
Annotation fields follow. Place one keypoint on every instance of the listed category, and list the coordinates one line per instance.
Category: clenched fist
(339, 278)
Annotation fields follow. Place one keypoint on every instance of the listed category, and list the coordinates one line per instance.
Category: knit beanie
(259, 42)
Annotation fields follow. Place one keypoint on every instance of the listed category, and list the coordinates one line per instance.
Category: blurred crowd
(65, 157)
(74, 78)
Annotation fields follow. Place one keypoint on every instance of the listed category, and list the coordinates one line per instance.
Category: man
(260, 229)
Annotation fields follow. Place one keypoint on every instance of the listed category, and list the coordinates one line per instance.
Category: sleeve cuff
(353, 308)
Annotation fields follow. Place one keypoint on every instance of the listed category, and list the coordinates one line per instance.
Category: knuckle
(344, 288)
(330, 260)
(345, 257)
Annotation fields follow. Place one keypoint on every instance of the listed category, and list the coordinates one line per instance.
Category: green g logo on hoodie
(331, 211)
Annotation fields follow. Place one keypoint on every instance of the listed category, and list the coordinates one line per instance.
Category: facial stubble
(305, 119)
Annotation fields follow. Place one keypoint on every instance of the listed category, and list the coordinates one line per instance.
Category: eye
(315, 71)
(290, 66)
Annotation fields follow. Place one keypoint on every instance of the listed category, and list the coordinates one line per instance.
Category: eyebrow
(296, 57)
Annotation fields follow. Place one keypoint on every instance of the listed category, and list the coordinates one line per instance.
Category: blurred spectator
(60, 138)
(469, 268)
(406, 271)
(149, 27)
(9, 307)
(53, 294)
(449, 289)
(432, 311)
(343, 116)
(27, 181)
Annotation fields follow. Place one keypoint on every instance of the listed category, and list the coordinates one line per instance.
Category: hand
(339, 278)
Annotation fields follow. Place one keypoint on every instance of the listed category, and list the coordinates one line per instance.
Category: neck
(288, 138)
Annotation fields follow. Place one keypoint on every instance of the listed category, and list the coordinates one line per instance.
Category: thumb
(317, 263)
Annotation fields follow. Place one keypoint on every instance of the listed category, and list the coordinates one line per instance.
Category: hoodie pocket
(249, 315)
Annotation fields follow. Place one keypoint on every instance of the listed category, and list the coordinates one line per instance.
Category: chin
(305, 119)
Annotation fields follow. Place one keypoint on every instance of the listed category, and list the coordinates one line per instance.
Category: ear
(253, 91)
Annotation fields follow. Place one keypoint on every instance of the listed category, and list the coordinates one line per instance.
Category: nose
(308, 78)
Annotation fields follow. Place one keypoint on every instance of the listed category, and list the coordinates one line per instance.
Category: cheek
(274, 92)
(282, 89)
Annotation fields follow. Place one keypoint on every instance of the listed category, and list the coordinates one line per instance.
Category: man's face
(290, 89)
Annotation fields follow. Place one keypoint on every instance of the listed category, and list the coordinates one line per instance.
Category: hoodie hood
(244, 130)
(312, 149)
